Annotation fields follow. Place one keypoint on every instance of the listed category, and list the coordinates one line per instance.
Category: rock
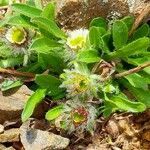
(10, 148)
(73, 14)
(2, 147)
(11, 135)
(112, 128)
(146, 135)
(100, 147)
(145, 145)
(1, 128)
(142, 117)
(11, 106)
(41, 140)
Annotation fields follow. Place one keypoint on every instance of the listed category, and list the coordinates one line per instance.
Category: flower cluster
(81, 86)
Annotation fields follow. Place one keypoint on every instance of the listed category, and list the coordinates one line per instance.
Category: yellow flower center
(18, 36)
(81, 83)
(77, 42)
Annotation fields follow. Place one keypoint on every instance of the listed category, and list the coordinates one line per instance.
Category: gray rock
(12, 105)
(41, 140)
(11, 135)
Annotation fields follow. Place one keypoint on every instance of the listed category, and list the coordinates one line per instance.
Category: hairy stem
(131, 71)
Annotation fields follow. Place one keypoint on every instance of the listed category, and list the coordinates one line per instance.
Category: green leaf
(44, 45)
(99, 22)
(32, 102)
(139, 61)
(105, 41)
(141, 32)
(51, 61)
(128, 20)
(130, 49)
(11, 62)
(141, 95)
(49, 11)
(120, 34)
(94, 35)
(127, 105)
(26, 10)
(88, 56)
(49, 82)
(10, 84)
(137, 81)
(49, 26)
(54, 112)
(5, 52)
(21, 21)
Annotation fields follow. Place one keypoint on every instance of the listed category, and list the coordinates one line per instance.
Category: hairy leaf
(49, 11)
(88, 56)
(128, 20)
(49, 82)
(54, 112)
(120, 34)
(131, 48)
(10, 84)
(94, 35)
(49, 26)
(141, 32)
(32, 102)
(26, 10)
(99, 22)
(44, 45)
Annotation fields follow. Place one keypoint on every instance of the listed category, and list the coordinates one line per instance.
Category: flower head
(78, 117)
(77, 39)
(16, 35)
(80, 83)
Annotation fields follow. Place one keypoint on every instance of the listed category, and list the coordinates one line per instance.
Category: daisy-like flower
(16, 35)
(77, 39)
(80, 83)
(77, 116)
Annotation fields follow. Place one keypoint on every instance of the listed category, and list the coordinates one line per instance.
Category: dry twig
(17, 73)
(131, 71)
(140, 18)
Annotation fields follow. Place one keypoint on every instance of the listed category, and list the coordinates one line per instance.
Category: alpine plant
(80, 71)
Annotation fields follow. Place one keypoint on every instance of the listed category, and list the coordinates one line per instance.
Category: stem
(131, 71)
(17, 73)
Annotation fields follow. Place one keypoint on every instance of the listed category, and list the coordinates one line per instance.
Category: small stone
(145, 145)
(146, 135)
(1, 128)
(12, 105)
(112, 128)
(11, 135)
(35, 139)
(96, 147)
(2, 147)
(10, 148)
